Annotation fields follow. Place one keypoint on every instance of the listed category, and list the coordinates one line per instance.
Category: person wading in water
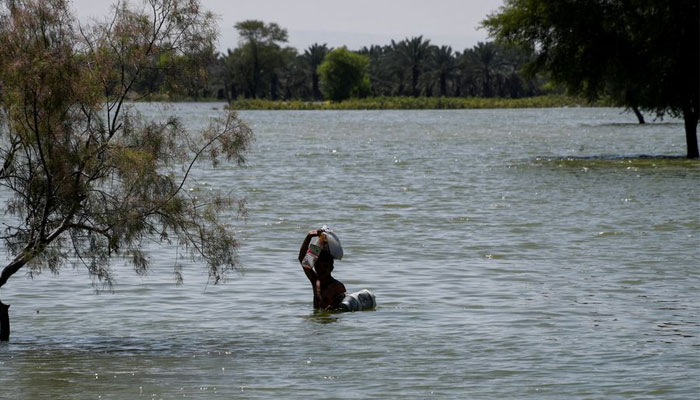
(328, 292)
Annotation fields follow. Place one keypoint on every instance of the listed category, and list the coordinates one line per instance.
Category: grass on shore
(165, 97)
(416, 103)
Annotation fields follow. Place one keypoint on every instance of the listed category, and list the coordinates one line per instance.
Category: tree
(414, 55)
(259, 51)
(87, 178)
(343, 74)
(312, 58)
(644, 53)
(445, 66)
(286, 76)
(486, 62)
(181, 74)
(388, 77)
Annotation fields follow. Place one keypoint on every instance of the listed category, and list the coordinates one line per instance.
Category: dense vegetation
(262, 67)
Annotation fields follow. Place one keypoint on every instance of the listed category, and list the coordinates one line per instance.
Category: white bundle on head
(333, 242)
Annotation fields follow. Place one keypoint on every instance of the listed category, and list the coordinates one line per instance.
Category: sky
(353, 23)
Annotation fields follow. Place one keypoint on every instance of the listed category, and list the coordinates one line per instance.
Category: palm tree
(384, 77)
(445, 66)
(412, 55)
(286, 75)
(312, 58)
(486, 61)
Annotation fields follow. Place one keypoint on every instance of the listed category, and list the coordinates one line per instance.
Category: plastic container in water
(358, 301)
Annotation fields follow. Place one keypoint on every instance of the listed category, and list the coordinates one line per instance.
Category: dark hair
(325, 255)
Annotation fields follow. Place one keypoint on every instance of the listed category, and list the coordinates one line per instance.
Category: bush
(343, 74)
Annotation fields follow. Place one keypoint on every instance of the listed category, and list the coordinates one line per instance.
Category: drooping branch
(79, 164)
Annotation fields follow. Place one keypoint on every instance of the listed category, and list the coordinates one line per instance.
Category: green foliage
(411, 58)
(343, 74)
(256, 32)
(445, 67)
(641, 53)
(88, 178)
(261, 67)
(256, 63)
(312, 59)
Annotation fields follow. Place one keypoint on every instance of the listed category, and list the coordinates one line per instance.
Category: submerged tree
(87, 179)
(644, 53)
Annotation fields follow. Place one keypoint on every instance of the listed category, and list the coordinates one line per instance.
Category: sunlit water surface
(521, 254)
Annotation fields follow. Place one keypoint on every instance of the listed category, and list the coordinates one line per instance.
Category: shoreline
(396, 103)
(417, 103)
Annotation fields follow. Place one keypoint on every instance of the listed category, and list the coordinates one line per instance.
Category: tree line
(264, 67)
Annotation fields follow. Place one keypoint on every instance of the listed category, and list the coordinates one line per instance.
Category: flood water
(524, 254)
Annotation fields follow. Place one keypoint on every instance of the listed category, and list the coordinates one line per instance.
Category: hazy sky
(354, 23)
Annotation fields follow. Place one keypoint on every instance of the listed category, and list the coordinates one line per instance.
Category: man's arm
(305, 244)
(302, 252)
(309, 273)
